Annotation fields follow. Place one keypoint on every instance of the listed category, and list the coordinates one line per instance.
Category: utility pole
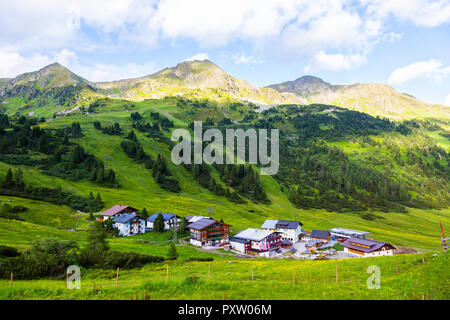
(444, 240)
(210, 210)
(175, 238)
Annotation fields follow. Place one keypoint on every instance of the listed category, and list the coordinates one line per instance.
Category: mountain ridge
(202, 79)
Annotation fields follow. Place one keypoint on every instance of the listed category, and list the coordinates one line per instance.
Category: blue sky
(404, 43)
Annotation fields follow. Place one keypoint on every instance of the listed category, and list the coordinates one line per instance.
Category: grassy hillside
(415, 228)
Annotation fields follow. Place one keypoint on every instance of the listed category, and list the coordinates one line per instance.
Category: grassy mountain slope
(416, 228)
(373, 98)
(49, 90)
(195, 79)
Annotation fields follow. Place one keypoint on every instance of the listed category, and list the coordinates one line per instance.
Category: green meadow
(401, 277)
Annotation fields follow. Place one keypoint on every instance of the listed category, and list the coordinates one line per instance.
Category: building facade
(256, 242)
(289, 230)
(320, 235)
(367, 248)
(208, 232)
(342, 234)
(129, 224)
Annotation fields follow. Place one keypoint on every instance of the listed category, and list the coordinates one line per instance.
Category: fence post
(117, 277)
(336, 273)
(423, 259)
(252, 273)
(11, 280)
(293, 273)
(167, 273)
(209, 272)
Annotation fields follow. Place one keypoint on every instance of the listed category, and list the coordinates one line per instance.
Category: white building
(289, 230)
(343, 234)
(129, 224)
(256, 241)
(367, 248)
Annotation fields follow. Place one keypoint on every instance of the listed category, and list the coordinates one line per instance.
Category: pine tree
(172, 252)
(144, 213)
(97, 238)
(158, 224)
(8, 182)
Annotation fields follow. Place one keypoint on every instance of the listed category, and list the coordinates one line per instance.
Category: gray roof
(269, 224)
(124, 218)
(284, 224)
(373, 245)
(320, 234)
(253, 234)
(166, 216)
(201, 223)
(349, 232)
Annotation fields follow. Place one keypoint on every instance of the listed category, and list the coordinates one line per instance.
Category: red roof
(114, 210)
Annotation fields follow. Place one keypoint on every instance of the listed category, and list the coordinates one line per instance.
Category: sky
(404, 43)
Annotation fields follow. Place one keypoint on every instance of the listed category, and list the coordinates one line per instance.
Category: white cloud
(198, 56)
(333, 62)
(242, 58)
(13, 64)
(392, 36)
(342, 31)
(447, 100)
(425, 13)
(432, 69)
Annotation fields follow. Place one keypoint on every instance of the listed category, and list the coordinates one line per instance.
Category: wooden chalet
(208, 232)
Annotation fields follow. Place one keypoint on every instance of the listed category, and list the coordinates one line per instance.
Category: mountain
(195, 79)
(373, 98)
(53, 85)
(55, 89)
(303, 86)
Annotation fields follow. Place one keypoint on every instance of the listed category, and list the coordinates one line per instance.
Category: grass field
(272, 279)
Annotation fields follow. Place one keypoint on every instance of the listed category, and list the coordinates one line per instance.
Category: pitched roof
(115, 210)
(166, 216)
(373, 245)
(284, 224)
(201, 223)
(125, 217)
(348, 232)
(253, 234)
(269, 224)
(195, 218)
(312, 243)
(320, 234)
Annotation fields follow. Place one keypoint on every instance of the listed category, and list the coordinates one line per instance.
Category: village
(273, 239)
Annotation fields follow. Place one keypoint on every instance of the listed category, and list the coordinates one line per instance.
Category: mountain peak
(52, 75)
(303, 86)
(196, 73)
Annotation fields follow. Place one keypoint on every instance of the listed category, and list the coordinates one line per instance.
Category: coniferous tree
(158, 224)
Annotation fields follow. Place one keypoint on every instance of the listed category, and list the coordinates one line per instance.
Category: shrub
(6, 251)
(199, 259)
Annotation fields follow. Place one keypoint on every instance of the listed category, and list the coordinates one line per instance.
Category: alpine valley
(360, 156)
